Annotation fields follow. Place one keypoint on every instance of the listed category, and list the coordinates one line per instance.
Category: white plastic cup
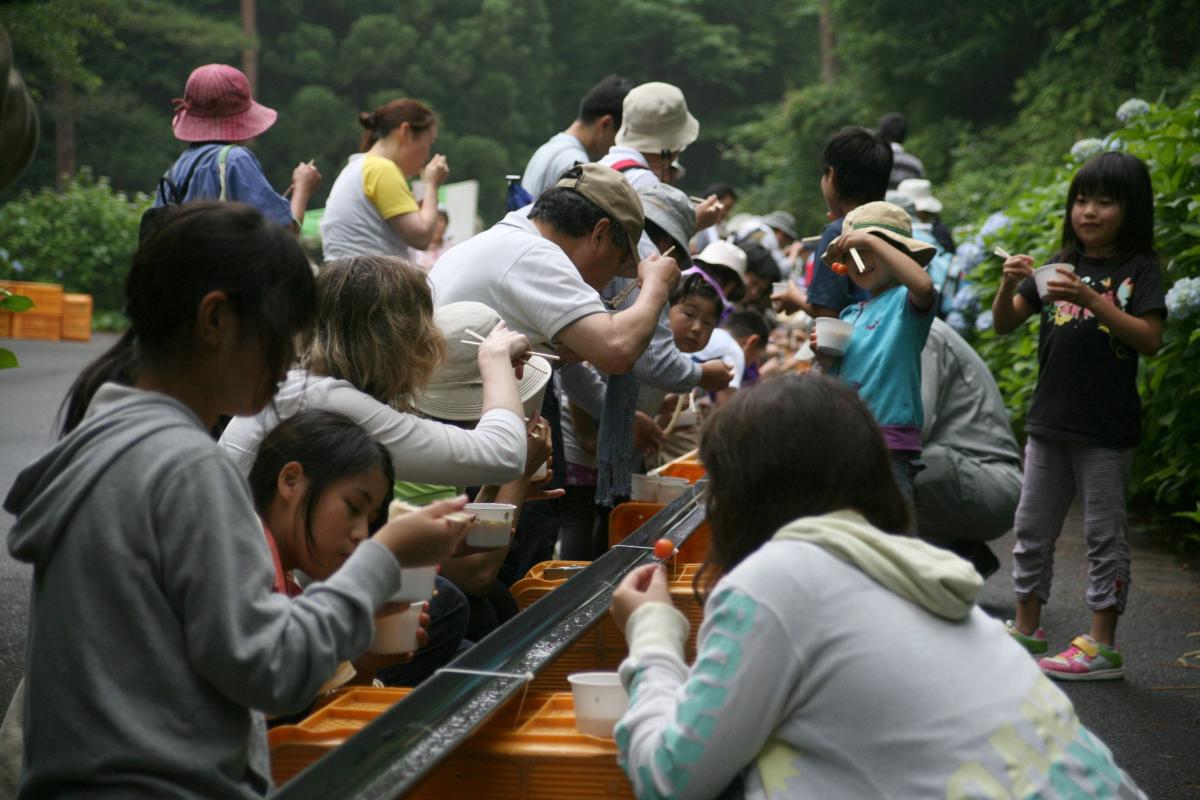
(670, 488)
(397, 633)
(643, 488)
(779, 287)
(1043, 275)
(600, 702)
(542, 472)
(833, 335)
(416, 584)
(493, 526)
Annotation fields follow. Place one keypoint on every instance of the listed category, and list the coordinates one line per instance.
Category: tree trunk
(828, 43)
(250, 54)
(64, 132)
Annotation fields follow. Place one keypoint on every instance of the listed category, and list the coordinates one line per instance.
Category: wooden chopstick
(628, 290)
(547, 356)
(684, 457)
(862, 268)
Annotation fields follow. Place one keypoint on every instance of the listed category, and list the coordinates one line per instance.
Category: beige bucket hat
(456, 390)
(887, 221)
(655, 119)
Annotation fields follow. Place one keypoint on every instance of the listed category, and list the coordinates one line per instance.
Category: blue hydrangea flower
(984, 321)
(1086, 148)
(1183, 299)
(1131, 108)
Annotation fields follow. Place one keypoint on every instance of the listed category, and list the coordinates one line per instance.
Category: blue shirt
(244, 181)
(883, 363)
(828, 289)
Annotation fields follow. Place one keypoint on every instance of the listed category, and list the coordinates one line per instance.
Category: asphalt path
(1150, 720)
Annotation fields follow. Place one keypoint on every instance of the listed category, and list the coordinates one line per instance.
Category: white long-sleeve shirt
(814, 680)
(422, 450)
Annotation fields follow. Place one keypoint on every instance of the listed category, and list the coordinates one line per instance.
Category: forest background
(996, 93)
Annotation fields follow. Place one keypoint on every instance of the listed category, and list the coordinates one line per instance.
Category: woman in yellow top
(371, 209)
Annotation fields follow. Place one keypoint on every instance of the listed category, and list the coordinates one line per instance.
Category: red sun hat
(217, 107)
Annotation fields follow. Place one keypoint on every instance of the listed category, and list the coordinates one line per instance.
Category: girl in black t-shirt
(1085, 418)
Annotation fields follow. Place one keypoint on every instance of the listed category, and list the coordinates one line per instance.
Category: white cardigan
(422, 450)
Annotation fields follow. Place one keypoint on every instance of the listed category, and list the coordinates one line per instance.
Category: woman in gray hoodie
(154, 634)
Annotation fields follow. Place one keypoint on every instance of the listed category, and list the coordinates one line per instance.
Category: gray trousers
(1055, 471)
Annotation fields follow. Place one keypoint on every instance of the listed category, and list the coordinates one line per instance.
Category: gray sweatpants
(1055, 471)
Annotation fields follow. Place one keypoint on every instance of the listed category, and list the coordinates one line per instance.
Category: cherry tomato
(664, 549)
(840, 268)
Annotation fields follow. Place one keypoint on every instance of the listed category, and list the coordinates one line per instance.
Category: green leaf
(8, 359)
(16, 303)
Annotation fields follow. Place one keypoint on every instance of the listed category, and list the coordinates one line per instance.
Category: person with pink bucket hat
(217, 116)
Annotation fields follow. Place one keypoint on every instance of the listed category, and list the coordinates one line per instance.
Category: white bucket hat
(920, 191)
(455, 391)
(655, 119)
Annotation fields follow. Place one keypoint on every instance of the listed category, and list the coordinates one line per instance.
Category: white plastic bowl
(397, 633)
(1043, 275)
(493, 526)
(670, 488)
(643, 488)
(779, 287)
(600, 702)
(833, 335)
(416, 584)
(542, 472)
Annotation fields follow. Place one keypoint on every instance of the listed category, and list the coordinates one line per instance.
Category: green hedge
(1167, 464)
(82, 237)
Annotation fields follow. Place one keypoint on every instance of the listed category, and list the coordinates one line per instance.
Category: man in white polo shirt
(543, 273)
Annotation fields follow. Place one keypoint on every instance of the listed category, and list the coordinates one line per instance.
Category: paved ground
(1151, 720)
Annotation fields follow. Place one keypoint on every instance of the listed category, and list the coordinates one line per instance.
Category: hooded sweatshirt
(841, 661)
(153, 628)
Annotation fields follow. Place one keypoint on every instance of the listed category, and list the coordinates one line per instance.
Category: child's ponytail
(201, 248)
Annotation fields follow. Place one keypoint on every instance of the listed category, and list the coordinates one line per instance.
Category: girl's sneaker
(1036, 644)
(1085, 660)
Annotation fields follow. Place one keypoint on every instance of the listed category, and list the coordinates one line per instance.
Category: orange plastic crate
(692, 470)
(47, 297)
(603, 646)
(30, 325)
(77, 317)
(544, 759)
(295, 747)
(628, 517)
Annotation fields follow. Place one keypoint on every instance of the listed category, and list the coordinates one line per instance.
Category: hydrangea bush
(1167, 464)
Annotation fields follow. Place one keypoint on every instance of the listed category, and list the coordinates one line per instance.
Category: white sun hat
(920, 191)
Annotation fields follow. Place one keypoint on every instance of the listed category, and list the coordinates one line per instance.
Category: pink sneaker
(1085, 660)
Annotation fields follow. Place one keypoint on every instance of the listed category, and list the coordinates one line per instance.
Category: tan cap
(655, 118)
(608, 189)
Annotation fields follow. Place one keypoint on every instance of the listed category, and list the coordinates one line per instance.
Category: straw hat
(655, 119)
(217, 107)
(921, 193)
(671, 210)
(886, 221)
(608, 189)
(456, 390)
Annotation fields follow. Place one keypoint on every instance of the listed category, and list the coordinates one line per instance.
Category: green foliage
(82, 238)
(1167, 464)
(11, 304)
